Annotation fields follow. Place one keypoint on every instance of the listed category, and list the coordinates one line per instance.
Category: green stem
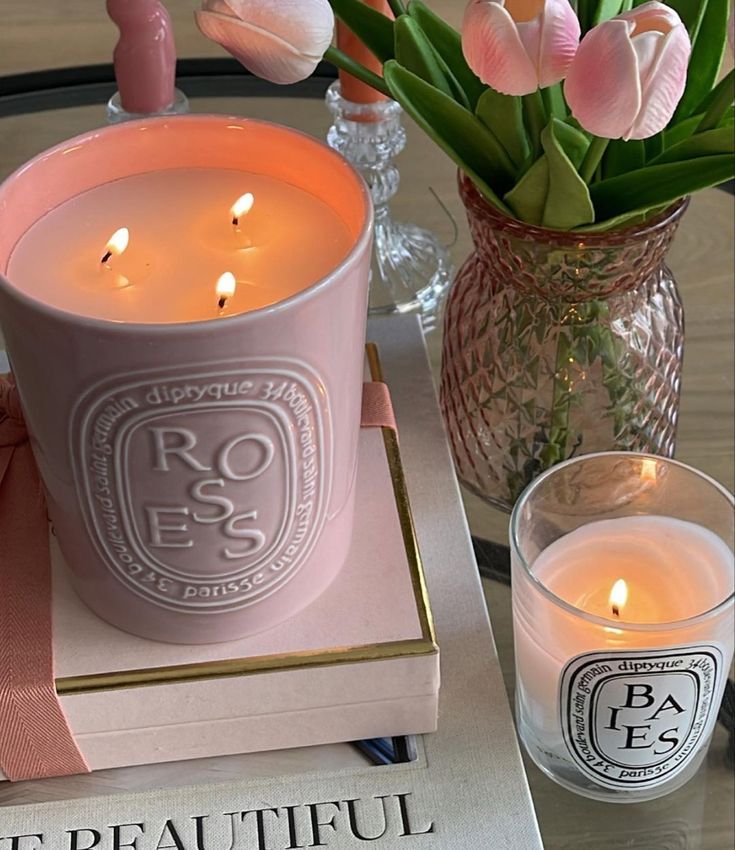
(725, 93)
(397, 7)
(534, 112)
(593, 158)
(560, 403)
(347, 63)
(554, 102)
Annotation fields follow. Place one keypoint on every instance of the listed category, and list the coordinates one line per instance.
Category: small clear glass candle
(622, 568)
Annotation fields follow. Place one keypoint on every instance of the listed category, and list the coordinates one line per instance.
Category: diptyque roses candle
(184, 302)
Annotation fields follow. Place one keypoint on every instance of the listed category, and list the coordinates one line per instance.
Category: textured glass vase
(558, 344)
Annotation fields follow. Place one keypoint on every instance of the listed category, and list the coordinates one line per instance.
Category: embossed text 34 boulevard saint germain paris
(293, 827)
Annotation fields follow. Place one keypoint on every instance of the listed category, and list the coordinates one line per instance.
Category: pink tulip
(515, 46)
(279, 40)
(629, 73)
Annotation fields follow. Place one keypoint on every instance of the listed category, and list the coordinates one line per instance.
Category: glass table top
(700, 815)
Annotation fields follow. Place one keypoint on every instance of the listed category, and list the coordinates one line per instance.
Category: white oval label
(204, 488)
(634, 719)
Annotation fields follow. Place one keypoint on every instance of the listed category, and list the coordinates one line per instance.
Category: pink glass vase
(558, 344)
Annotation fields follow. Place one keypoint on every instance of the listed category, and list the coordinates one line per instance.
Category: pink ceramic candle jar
(199, 471)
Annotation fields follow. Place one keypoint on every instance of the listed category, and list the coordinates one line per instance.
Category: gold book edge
(230, 667)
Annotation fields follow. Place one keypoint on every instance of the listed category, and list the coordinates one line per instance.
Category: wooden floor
(60, 33)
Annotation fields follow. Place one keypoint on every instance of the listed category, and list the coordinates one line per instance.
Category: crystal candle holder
(411, 270)
(116, 112)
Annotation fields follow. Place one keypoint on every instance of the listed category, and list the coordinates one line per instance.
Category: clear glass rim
(619, 625)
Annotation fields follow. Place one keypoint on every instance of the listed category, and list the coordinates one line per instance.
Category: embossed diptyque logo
(635, 719)
(204, 488)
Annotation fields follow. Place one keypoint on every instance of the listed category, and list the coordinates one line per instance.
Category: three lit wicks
(226, 283)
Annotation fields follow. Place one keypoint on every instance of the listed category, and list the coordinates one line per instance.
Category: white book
(466, 790)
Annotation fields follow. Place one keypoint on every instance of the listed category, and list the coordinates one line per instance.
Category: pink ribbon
(35, 738)
(377, 408)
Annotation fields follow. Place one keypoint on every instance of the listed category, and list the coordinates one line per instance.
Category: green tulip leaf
(551, 193)
(503, 114)
(594, 12)
(658, 185)
(708, 143)
(691, 13)
(714, 94)
(684, 129)
(621, 157)
(568, 201)
(654, 146)
(371, 26)
(471, 145)
(628, 219)
(572, 121)
(414, 52)
(720, 103)
(527, 198)
(574, 142)
(585, 13)
(708, 48)
(458, 92)
(448, 44)
(606, 9)
(455, 88)
(678, 132)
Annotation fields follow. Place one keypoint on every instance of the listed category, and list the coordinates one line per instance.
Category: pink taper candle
(352, 88)
(145, 55)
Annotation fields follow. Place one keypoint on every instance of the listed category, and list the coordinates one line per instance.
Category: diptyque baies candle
(183, 302)
(623, 578)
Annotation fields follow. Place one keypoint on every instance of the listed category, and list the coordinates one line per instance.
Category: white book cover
(466, 790)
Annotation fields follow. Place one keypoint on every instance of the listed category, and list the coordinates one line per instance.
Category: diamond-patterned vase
(558, 344)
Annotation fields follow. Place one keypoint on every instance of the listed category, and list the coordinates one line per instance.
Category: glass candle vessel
(192, 391)
(622, 568)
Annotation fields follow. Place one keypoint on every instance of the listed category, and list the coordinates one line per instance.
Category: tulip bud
(629, 73)
(279, 40)
(515, 46)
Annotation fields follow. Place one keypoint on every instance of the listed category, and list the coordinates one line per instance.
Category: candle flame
(618, 596)
(648, 469)
(117, 243)
(225, 288)
(241, 207)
